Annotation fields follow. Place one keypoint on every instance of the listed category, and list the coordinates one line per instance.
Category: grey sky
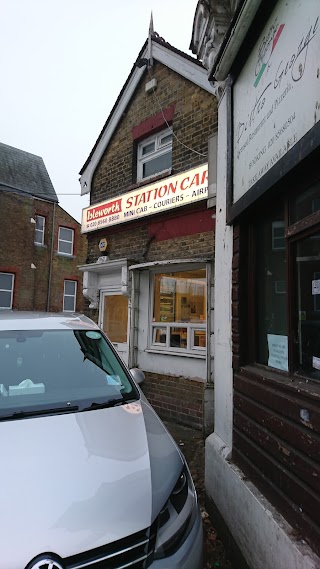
(63, 65)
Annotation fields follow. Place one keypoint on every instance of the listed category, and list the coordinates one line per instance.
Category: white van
(89, 475)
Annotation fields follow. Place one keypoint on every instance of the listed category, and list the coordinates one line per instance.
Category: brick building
(150, 228)
(40, 244)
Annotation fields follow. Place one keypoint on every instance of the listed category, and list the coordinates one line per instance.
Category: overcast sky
(63, 65)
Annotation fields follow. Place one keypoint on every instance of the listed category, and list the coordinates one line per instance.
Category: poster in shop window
(278, 351)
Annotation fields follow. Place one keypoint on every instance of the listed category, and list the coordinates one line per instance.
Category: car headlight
(176, 517)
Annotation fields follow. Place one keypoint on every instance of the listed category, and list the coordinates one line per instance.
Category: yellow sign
(103, 244)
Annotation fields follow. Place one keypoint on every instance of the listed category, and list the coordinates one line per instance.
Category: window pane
(148, 148)
(306, 203)
(69, 303)
(5, 299)
(308, 305)
(178, 337)
(160, 336)
(200, 339)
(65, 247)
(39, 222)
(271, 296)
(6, 280)
(65, 234)
(38, 237)
(157, 165)
(70, 287)
(180, 296)
(165, 139)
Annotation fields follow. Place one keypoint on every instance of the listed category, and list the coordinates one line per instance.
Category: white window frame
(66, 241)
(38, 231)
(8, 290)
(159, 150)
(74, 296)
(190, 327)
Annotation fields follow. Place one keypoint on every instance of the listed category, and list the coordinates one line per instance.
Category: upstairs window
(65, 241)
(6, 290)
(69, 296)
(154, 155)
(39, 230)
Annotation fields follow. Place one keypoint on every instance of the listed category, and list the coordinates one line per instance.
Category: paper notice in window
(278, 351)
(316, 286)
(316, 362)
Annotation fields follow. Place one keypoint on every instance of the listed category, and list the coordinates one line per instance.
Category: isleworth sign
(167, 194)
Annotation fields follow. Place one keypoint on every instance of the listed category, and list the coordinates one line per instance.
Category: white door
(113, 319)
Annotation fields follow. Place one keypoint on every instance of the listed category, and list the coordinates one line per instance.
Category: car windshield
(59, 370)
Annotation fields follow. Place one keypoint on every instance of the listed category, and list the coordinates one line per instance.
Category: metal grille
(132, 552)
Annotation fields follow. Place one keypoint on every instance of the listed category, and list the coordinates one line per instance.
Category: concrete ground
(191, 443)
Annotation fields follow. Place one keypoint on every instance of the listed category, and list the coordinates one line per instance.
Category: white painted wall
(223, 404)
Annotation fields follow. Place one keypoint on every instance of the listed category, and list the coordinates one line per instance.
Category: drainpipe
(51, 256)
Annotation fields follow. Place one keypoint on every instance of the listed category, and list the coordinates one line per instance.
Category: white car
(89, 477)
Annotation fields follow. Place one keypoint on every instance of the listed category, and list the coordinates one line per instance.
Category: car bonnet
(74, 482)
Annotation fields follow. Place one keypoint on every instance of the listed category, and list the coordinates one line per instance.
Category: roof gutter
(233, 40)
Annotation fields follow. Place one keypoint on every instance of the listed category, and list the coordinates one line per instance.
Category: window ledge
(40, 246)
(186, 354)
(282, 379)
(147, 181)
(65, 255)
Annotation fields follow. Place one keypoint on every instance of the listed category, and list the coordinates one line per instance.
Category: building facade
(262, 460)
(150, 228)
(41, 244)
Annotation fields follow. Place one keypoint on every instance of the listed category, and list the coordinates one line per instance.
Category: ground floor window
(179, 310)
(271, 313)
(284, 294)
(6, 290)
(69, 296)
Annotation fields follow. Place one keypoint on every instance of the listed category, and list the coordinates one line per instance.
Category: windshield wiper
(39, 412)
(117, 401)
(104, 404)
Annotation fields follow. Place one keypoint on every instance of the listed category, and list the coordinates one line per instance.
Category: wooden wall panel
(277, 443)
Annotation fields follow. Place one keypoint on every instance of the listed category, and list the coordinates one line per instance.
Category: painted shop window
(65, 241)
(179, 311)
(283, 293)
(154, 155)
(39, 230)
(307, 267)
(6, 290)
(69, 296)
(272, 326)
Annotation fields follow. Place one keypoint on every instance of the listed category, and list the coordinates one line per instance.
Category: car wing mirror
(137, 375)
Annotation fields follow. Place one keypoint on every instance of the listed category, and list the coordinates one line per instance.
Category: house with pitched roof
(150, 229)
(40, 244)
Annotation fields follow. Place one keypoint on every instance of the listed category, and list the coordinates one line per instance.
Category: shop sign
(277, 95)
(166, 194)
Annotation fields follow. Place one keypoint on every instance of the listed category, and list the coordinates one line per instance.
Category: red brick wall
(18, 251)
(175, 398)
